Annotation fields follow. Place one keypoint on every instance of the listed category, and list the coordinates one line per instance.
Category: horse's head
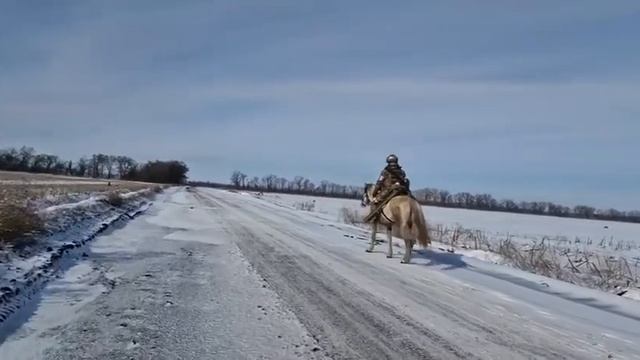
(366, 196)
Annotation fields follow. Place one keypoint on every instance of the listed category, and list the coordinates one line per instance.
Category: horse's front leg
(374, 230)
(389, 238)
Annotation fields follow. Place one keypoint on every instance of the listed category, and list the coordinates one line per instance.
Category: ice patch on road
(208, 236)
(187, 222)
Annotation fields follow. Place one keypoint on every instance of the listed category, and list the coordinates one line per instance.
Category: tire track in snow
(514, 342)
(347, 321)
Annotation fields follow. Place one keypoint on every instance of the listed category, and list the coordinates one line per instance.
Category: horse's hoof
(389, 256)
(403, 261)
(368, 250)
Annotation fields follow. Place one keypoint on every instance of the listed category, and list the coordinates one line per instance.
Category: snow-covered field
(606, 240)
(588, 233)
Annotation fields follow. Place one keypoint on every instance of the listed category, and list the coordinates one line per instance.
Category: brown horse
(403, 218)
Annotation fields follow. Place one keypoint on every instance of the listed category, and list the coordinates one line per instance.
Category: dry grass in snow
(23, 197)
(350, 216)
(16, 221)
(544, 257)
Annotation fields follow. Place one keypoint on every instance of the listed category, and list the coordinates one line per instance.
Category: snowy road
(217, 275)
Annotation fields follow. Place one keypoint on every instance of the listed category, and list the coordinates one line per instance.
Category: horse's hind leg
(408, 247)
(389, 240)
(374, 230)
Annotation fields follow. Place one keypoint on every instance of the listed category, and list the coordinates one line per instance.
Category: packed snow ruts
(26, 270)
(310, 234)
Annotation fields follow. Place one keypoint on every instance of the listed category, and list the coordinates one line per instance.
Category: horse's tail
(416, 217)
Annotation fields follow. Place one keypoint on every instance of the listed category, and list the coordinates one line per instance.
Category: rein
(386, 217)
(366, 201)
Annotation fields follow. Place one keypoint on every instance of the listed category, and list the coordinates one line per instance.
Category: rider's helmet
(392, 159)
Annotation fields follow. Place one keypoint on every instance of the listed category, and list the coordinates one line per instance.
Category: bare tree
(99, 165)
(38, 163)
(81, 167)
(124, 165)
(282, 183)
(93, 166)
(324, 187)
(308, 186)
(509, 205)
(25, 158)
(464, 199)
(270, 181)
(50, 161)
(444, 197)
(59, 167)
(255, 182)
(111, 162)
(10, 159)
(584, 211)
(298, 182)
(236, 178)
(485, 201)
(430, 195)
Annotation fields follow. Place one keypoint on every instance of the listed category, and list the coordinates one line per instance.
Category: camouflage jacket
(389, 176)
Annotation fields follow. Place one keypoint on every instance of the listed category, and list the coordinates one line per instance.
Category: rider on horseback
(392, 181)
(393, 207)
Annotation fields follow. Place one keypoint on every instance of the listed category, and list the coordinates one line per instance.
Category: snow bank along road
(209, 274)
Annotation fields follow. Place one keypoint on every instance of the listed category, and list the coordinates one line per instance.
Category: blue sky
(531, 100)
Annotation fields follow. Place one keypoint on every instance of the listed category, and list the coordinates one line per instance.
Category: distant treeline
(429, 196)
(298, 185)
(97, 166)
(465, 200)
